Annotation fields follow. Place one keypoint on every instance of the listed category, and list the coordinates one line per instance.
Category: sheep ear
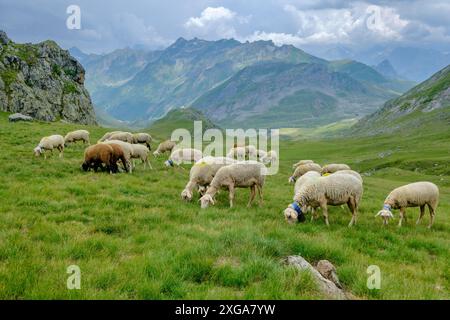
(379, 213)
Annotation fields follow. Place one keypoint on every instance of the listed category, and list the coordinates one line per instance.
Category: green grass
(134, 238)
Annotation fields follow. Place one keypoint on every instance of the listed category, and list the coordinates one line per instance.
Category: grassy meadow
(134, 238)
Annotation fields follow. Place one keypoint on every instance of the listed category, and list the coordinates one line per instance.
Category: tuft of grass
(133, 237)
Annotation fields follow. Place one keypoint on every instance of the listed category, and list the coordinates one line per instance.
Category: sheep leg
(402, 216)
(352, 206)
(422, 212)
(252, 195)
(260, 193)
(325, 213)
(432, 214)
(149, 164)
(231, 190)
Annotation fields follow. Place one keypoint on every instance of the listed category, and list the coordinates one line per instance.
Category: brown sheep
(118, 154)
(98, 155)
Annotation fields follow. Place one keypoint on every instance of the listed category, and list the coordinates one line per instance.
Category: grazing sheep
(127, 150)
(140, 151)
(184, 155)
(202, 173)
(118, 155)
(351, 172)
(107, 135)
(308, 176)
(418, 194)
(77, 135)
(243, 152)
(144, 138)
(323, 191)
(122, 136)
(261, 154)
(270, 157)
(302, 169)
(97, 155)
(301, 162)
(332, 168)
(49, 143)
(247, 174)
(164, 146)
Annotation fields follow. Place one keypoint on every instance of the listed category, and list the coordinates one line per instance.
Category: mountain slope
(424, 107)
(43, 81)
(279, 94)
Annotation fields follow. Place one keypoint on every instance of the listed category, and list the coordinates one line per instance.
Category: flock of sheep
(316, 187)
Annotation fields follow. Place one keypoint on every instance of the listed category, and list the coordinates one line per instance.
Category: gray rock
(328, 271)
(19, 117)
(45, 82)
(327, 287)
(3, 38)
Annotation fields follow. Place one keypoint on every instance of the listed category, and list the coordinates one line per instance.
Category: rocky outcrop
(19, 117)
(43, 81)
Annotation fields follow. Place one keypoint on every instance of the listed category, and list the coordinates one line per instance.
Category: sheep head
(291, 179)
(206, 200)
(37, 151)
(186, 195)
(386, 214)
(293, 213)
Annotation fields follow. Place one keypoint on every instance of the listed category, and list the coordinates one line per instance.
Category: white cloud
(215, 22)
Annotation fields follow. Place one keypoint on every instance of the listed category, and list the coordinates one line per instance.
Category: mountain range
(235, 84)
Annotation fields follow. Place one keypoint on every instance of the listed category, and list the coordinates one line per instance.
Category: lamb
(142, 137)
(127, 150)
(77, 135)
(97, 155)
(418, 194)
(107, 135)
(246, 174)
(351, 172)
(122, 136)
(49, 143)
(140, 151)
(302, 169)
(270, 157)
(331, 168)
(184, 155)
(202, 173)
(164, 146)
(323, 191)
(301, 162)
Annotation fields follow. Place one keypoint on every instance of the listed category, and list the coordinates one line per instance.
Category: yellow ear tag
(326, 174)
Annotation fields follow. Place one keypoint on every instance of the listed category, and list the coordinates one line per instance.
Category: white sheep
(307, 177)
(142, 137)
(323, 191)
(183, 155)
(301, 162)
(77, 135)
(261, 154)
(302, 169)
(243, 152)
(246, 174)
(50, 143)
(331, 168)
(418, 194)
(351, 172)
(107, 135)
(122, 136)
(202, 173)
(140, 151)
(164, 146)
(127, 151)
(270, 157)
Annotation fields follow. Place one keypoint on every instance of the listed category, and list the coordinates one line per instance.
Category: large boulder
(19, 117)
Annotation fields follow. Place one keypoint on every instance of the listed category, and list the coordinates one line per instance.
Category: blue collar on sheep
(387, 207)
(292, 178)
(170, 162)
(296, 207)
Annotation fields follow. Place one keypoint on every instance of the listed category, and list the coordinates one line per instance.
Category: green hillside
(133, 237)
(424, 107)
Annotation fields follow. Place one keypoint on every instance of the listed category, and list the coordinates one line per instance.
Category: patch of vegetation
(69, 88)
(124, 231)
(27, 53)
(8, 76)
(70, 72)
(56, 69)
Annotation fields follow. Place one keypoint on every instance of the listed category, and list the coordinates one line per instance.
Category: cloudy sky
(309, 24)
